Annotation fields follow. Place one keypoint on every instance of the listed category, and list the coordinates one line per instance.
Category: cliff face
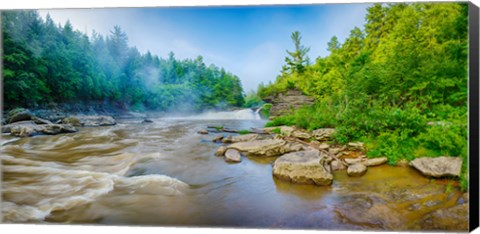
(285, 103)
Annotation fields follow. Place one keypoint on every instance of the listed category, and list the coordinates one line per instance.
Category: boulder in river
(284, 130)
(29, 128)
(266, 148)
(439, 166)
(232, 155)
(304, 167)
(203, 131)
(356, 170)
(89, 121)
(18, 114)
(240, 138)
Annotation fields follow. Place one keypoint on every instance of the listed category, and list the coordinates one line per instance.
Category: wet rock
(240, 138)
(266, 148)
(304, 167)
(40, 121)
(438, 167)
(449, 219)
(220, 151)
(32, 129)
(356, 170)
(356, 146)
(337, 165)
(7, 128)
(147, 121)
(203, 132)
(376, 161)
(217, 139)
(89, 121)
(18, 114)
(232, 155)
(323, 134)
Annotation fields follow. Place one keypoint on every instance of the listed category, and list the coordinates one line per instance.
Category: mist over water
(164, 173)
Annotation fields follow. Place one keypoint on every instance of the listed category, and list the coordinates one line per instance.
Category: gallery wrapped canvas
(358, 116)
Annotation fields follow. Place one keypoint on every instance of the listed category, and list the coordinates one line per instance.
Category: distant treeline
(44, 62)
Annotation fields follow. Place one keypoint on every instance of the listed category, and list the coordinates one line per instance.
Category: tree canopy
(46, 62)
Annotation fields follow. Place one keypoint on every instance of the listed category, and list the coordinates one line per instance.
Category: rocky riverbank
(310, 157)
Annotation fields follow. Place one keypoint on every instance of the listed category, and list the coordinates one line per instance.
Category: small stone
(203, 131)
(220, 151)
(375, 161)
(232, 155)
(217, 139)
(356, 170)
(351, 161)
(337, 165)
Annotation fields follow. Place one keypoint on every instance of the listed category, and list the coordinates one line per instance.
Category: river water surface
(164, 173)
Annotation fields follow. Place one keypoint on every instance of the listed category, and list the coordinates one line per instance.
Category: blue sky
(249, 41)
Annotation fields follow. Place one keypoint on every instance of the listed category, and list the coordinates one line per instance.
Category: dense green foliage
(44, 63)
(400, 84)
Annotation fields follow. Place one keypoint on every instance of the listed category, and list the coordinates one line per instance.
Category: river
(164, 173)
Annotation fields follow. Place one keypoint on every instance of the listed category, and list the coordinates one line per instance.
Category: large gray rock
(29, 128)
(18, 114)
(240, 138)
(304, 167)
(356, 170)
(232, 155)
(89, 121)
(266, 148)
(323, 134)
(438, 167)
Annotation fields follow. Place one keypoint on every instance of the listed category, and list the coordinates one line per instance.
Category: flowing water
(164, 173)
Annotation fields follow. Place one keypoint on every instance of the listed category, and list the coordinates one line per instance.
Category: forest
(400, 84)
(45, 63)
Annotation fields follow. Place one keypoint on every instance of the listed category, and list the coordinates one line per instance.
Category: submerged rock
(203, 131)
(438, 167)
(356, 170)
(18, 114)
(304, 167)
(89, 121)
(147, 121)
(240, 138)
(452, 219)
(232, 155)
(266, 148)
